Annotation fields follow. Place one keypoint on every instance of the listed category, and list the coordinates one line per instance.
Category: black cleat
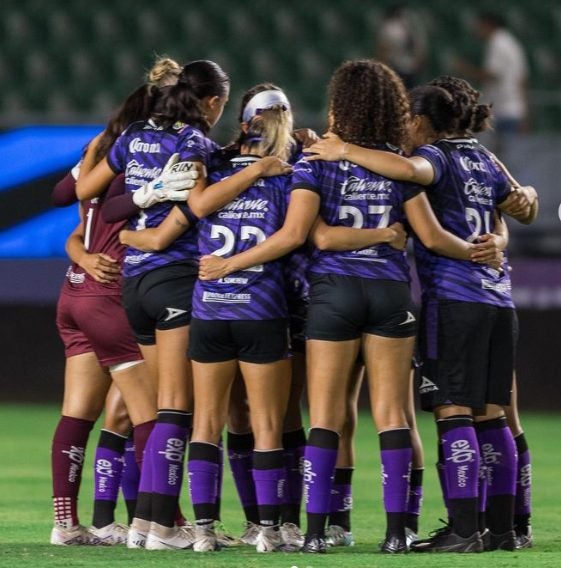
(504, 541)
(314, 544)
(394, 544)
(449, 541)
(418, 544)
(523, 538)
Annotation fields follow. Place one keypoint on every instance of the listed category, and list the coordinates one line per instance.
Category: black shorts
(159, 299)
(345, 307)
(297, 314)
(249, 341)
(468, 354)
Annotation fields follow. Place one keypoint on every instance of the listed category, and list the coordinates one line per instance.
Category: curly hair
(368, 104)
(472, 116)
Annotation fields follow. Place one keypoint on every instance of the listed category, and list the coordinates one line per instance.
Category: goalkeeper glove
(172, 184)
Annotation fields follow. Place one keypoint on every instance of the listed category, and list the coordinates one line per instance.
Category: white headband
(263, 101)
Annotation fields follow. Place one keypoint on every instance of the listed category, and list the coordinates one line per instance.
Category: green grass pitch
(26, 517)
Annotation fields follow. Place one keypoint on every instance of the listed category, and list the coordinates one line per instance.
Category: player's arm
(101, 267)
(327, 237)
(206, 199)
(332, 148)
(93, 183)
(157, 238)
(302, 212)
(427, 227)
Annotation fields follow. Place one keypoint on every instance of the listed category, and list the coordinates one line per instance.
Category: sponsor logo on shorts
(427, 386)
(173, 313)
(500, 287)
(410, 318)
(228, 298)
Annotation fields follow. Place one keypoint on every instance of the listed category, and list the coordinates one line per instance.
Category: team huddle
(209, 284)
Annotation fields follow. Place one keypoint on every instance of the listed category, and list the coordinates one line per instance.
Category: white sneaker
(269, 539)
(76, 535)
(338, 536)
(110, 535)
(292, 537)
(250, 534)
(137, 534)
(161, 537)
(205, 538)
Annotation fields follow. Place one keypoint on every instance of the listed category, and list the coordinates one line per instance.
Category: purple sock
(320, 458)
(108, 469)
(67, 460)
(203, 480)
(269, 477)
(240, 456)
(460, 451)
(294, 444)
(341, 503)
(523, 503)
(498, 451)
(130, 479)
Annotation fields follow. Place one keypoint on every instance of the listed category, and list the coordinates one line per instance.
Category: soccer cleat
(249, 536)
(314, 544)
(76, 535)
(523, 538)
(292, 537)
(224, 539)
(269, 539)
(394, 544)
(138, 532)
(205, 538)
(449, 541)
(504, 541)
(410, 537)
(112, 534)
(161, 537)
(418, 545)
(338, 536)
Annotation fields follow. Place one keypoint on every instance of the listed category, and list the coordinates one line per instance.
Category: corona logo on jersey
(137, 145)
(469, 165)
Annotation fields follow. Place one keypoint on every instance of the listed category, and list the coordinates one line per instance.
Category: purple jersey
(141, 152)
(352, 196)
(466, 189)
(258, 292)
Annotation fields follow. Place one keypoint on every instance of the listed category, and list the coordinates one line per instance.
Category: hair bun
(164, 72)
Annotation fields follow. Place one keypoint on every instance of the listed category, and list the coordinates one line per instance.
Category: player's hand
(330, 148)
(101, 267)
(172, 184)
(399, 237)
(488, 250)
(520, 201)
(306, 136)
(273, 166)
(212, 267)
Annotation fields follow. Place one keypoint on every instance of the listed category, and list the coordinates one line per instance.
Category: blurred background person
(401, 44)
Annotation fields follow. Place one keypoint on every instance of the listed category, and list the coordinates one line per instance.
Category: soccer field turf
(26, 515)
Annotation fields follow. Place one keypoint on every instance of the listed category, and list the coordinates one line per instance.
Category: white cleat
(338, 536)
(269, 539)
(161, 537)
(205, 538)
(410, 537)
(111, 535)
(250, 534)
(74, 536)
(292, 537)
(138, 531)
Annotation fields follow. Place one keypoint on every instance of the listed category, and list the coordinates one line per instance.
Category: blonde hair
(270, 133)
(163, 73)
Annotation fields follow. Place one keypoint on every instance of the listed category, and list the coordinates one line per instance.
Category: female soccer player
(469, 330)
(99, 346)
(357, 298)
(158, 286)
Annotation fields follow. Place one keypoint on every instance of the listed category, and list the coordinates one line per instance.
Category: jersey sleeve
(304, 176)
(193, 146)
(503, 187)
(436, 158)
(411, 190)
(64, 192)
(116, 155)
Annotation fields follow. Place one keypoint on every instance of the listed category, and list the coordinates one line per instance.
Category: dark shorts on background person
(344, 307)
(96, 324)
(297, 316)
(468, 351)
(249, 341)
(160, 299)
